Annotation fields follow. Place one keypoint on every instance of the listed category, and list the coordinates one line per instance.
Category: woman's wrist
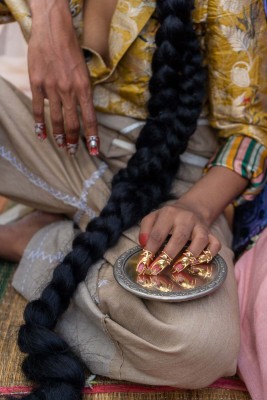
(211, 195)
(48, 10)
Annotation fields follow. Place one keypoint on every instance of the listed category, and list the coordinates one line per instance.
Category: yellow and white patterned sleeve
(237, 62)
(20, 12)
(5, 14)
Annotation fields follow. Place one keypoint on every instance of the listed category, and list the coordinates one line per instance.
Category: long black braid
(176, 89)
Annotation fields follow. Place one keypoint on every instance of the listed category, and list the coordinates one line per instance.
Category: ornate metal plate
(203, 280)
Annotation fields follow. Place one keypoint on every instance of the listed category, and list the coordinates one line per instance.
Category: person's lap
(116, 333)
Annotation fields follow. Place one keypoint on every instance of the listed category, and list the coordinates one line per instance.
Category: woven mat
(13, 382)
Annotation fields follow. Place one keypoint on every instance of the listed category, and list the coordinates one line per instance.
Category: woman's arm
(236, 58)
(58, 71)
(190, 217)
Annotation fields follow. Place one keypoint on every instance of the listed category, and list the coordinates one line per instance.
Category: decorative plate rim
(123, 279)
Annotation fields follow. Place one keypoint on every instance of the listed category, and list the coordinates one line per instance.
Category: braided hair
(176, 88)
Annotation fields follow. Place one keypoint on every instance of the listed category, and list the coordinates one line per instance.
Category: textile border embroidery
(37, 181)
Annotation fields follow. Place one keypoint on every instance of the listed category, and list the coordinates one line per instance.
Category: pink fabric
(251, 274)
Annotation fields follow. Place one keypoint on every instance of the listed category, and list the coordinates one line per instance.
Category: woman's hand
(58, 72)
(188, 219)
(179, 223)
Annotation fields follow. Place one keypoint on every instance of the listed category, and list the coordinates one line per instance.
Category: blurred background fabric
(13, 57)
(13, 67)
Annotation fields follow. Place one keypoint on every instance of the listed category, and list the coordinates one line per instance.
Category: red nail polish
(93, 144)
(178, 267)
(141, 267)
(60, 140)
(40, 131)
(72, 148)
(156, 269)
(143, 239)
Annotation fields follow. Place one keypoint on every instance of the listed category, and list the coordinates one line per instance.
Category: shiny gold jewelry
(184, 280)
(184, 261)
(161, 283)
(204, 257)
(204, 272)
(146, 258)
(160, 263)
(144, 281)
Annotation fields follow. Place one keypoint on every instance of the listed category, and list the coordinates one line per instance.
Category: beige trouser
(117, 334)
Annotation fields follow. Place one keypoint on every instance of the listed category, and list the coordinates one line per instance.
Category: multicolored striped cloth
(246, 157)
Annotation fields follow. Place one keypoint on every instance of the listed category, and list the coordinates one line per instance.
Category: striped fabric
(248, 158)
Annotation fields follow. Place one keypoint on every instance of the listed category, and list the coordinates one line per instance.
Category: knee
(192, 361)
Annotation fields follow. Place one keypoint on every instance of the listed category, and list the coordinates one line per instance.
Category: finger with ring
(204, 257)
(144, 262)
(184, 261)
(161, 262)
(40, 131)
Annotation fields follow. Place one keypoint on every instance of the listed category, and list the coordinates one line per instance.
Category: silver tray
(154, 287)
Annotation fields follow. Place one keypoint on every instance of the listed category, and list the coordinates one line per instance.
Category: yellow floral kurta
(234, 39)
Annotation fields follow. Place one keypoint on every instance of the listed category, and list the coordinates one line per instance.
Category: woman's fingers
(89, 118)
(72, 123)
(199, 240)
(146, 227)
(158, 227)
(209, 246)
(214, 245)
(180, 236)
(38, 111)
(178, 228)
(57, 119)
(147, 254)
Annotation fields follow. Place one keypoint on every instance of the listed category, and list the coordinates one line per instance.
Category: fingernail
(160, 263)
(140, 268)
(185, 280)
(156, 269)
(72, 148)
(93, 144)
(144, 280)
(143, 239)
(60, 140)
(178, 267)
(144, 262)
(40, 131)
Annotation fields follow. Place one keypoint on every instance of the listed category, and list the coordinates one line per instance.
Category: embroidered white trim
(39, 182)
(39, 254)
(29, 265)
(86, 187)
(102, 282)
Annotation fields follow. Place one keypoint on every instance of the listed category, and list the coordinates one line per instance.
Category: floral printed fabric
(233, 35)
(237, 61)
(5, 15)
